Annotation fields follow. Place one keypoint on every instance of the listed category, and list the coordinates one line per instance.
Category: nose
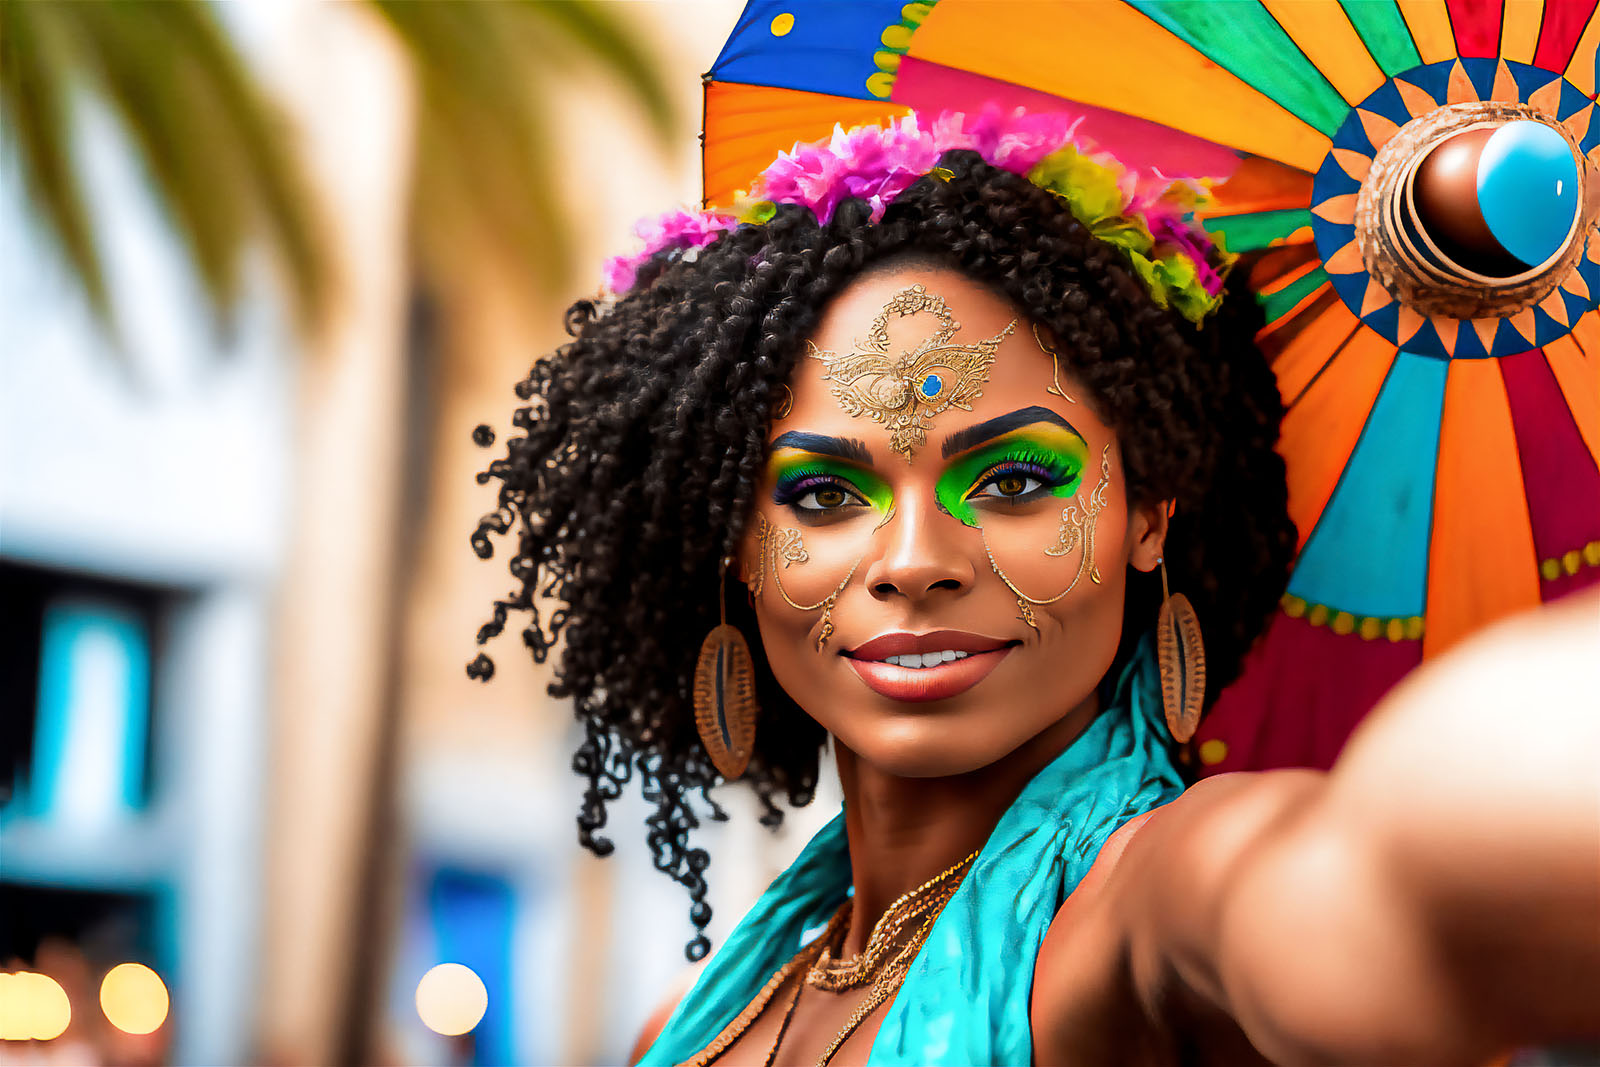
(927, 551)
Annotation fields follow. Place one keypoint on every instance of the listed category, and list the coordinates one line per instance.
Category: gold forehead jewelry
(1055, 365)
(905, 391)
(1078, 522)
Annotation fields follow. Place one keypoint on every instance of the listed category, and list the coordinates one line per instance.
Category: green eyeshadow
(1051, 453)
(795, 472)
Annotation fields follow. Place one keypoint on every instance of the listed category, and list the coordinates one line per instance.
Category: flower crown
(1150, 218)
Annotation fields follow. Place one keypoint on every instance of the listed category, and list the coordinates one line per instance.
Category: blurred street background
(264, 265)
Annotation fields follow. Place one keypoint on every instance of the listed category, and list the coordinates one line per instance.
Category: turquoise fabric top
(965, 999)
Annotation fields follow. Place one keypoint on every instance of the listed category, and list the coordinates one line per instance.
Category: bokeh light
(451, 999)
(134, 998)
(33, 1007)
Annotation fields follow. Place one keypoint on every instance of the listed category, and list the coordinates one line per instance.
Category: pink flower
(871, 163)
(1012, 141)
(673, 231)
(878, 163)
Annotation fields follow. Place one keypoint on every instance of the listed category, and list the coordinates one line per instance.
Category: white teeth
(926, 659)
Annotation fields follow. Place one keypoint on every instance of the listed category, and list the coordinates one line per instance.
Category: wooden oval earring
(725, 706)
(1182, 656)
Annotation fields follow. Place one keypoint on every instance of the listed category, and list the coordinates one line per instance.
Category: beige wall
(347, 89)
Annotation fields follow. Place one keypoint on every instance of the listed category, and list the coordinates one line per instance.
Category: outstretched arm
(1433, 899)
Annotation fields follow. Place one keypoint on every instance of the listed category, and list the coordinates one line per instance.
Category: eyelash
(1047, 476)
(795, 487)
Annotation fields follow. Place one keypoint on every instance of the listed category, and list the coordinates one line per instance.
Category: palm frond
(36, 130)
(596, 33)
(206, 137)
(485, 168)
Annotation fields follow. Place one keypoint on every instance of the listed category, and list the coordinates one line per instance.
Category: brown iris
(831, 498)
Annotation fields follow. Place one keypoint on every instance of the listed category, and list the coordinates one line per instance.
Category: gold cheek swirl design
(786, 545)
(1078, 522)
(905, 392)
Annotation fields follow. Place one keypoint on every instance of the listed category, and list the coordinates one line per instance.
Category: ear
(748, 556)
(1147, 532)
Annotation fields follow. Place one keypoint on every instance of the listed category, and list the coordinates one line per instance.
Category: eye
(1010, 484)
(827, 498)
(1015, 483)
(818, 496)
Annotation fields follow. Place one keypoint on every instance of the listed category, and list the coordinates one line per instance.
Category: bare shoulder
(1205, 829)
(657, 1020)
(1105, 989)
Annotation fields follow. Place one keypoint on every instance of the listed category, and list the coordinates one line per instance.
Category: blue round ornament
(1528, 189)
(931, 385)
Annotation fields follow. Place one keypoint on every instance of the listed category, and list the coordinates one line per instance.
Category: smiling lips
(921, 667)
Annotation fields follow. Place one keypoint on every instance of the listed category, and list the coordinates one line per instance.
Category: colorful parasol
(1392, 172)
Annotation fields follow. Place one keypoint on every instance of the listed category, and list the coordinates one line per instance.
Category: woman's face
(934, 467)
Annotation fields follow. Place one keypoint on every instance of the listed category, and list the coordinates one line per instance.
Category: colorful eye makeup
(1018, 468)
(817, 486)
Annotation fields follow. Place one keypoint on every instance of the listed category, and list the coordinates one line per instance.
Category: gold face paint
(1055, 365)
(906, 391)
(1078, 520)
(786, 547)
(1075, 533)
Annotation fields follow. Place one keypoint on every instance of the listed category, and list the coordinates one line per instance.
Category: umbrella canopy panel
(1442, 469)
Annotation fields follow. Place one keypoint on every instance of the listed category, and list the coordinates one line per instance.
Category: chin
(918, 754)
(920, 743)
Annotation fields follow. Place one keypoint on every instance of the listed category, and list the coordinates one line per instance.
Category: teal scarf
(965, 999)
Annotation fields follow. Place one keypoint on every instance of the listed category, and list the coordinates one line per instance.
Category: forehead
(1020, 377)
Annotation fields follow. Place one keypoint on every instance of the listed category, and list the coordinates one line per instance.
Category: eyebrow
(972, 436)
(842, 447)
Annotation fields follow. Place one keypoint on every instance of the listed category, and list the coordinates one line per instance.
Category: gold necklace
(836, 975)
(735, 1030)
(884, 962)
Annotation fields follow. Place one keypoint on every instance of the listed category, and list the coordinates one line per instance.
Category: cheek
(788, 638)
(1063, 550)
(795, 567)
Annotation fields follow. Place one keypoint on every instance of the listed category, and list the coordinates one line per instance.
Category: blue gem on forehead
(931, 385)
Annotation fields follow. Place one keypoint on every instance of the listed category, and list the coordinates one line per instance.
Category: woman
(957, 403)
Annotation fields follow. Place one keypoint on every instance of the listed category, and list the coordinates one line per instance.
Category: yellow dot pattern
(782, 24)
(1367, 627)
(896, 42)
(1570, 563)
(1213, 752)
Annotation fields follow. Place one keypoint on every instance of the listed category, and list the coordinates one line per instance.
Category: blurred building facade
(144, 494)
(234, 563)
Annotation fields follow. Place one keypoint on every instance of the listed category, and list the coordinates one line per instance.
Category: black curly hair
(643, 438)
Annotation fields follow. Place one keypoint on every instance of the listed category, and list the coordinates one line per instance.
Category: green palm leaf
(485, 166)
(221, 167)
(208, 140)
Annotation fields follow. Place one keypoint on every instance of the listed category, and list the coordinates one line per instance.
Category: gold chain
(882, 962)
(931, 897)
(735, 1030)
(885, 986)
(835, 976)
